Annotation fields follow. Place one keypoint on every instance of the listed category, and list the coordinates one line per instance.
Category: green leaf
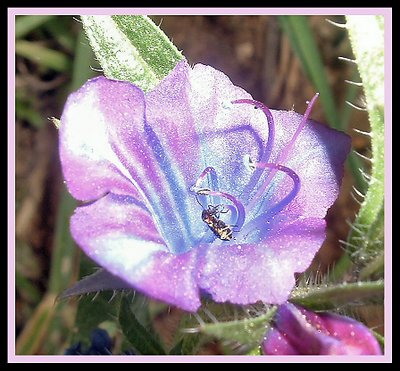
(332, 296)
(43, 56)
(142, 339)
(27, 23)
(188, 340)
(255, 351)
(177, 349)
(247, 331)
(152, 44)
(365, 241)
(139, 304)
(131, 48)
(92, 311)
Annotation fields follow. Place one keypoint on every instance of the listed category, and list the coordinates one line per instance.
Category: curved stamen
(213, 180)
(293, 193)
(271, 125)
(233, 214)
(241, 213)
(262, 219)
(268, 147)
(208, 170)
(284, 154)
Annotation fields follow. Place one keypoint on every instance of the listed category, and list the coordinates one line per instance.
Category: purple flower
(149, 164)
(299, 331)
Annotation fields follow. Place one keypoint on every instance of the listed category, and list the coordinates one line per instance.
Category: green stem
(247, 331)
(366, 35)
(131, 48)
(375, 267)
(330, 297)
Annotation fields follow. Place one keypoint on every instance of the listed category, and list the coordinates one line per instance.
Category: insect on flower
(211, 216)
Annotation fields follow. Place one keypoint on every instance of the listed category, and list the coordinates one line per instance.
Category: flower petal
(89, 163)
(295, 330)
(116, 233)
(111, 140)
(107, 145)
(191, 114)
(354, 337)
(300, 331)
(317, 157)
(122, 237)
(276, 343)
(246, 273)
(172, 279)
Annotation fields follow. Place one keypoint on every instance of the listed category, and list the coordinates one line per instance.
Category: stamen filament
(271, 125)
(265, 155)
(293, 193)
(233, 213)
(208, 170)
(259, 220)
(284, 154)
(213, 180)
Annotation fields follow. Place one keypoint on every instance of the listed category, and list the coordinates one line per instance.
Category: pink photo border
(12, 12)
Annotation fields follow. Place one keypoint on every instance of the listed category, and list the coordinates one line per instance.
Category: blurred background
(258, 53)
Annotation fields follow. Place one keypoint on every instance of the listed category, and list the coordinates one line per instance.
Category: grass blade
(302, 40)
(43, 56)
(140, 337)
(27, 23)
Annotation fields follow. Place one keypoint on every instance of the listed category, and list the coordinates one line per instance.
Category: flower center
(211, 214)
(237, 209)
